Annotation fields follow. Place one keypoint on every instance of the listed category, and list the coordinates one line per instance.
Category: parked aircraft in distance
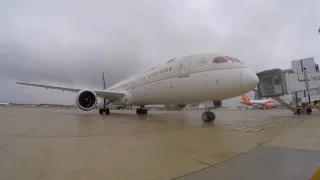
(4, 104)
(175, 83)
(263, 103)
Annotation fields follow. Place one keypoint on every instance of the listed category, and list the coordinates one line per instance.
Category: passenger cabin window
(170, 69)
(167, 70)
(220, 60)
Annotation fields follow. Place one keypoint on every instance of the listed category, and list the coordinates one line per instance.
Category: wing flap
(110, 95)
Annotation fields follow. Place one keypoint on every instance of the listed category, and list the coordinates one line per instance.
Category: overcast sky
(70, 42)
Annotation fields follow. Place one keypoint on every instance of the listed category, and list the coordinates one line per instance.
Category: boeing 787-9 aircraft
(176, 83)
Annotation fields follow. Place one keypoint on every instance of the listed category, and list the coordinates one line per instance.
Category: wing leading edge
(110, 95)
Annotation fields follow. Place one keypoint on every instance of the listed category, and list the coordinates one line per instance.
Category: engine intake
(86, 100)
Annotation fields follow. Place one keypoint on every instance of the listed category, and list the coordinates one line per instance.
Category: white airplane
(176, 83)
(4, 104)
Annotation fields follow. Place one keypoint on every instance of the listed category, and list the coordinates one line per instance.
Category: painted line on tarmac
(240, 128)
(258, 129)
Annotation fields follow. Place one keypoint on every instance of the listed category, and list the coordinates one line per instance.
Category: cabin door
(184, 66)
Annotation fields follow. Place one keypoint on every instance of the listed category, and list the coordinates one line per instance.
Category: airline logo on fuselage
(202, 61)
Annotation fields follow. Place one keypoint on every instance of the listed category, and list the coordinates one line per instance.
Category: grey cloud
(72, 42)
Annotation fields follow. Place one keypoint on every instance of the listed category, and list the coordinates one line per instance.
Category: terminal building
(312, 69)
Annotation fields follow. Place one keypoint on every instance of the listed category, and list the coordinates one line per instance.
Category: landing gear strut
(142, 110)
(104, 108)
(208, 116)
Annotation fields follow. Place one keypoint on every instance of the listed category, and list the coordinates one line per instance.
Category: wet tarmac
(52, 143)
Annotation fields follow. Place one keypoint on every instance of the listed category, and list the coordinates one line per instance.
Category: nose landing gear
(142, 110)
(208, 116)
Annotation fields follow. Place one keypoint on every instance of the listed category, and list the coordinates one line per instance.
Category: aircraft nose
(248, 80)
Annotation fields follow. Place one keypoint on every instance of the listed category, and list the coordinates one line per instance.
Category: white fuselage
(185, 80)
(263, 101)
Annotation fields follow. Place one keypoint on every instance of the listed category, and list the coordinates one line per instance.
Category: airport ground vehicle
(304, 108)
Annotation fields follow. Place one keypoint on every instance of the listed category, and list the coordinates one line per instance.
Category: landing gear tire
(208, 116)
(142, 111)
(107, 111)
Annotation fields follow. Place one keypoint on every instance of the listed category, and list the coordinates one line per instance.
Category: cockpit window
(171, 60)
(220, 59)
(232, 59)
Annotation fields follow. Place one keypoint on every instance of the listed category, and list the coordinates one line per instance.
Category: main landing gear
(208, 116)
(142, 110)
(104, 108)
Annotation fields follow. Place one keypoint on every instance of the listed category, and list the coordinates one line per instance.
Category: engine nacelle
(86, 99)
(177, 107)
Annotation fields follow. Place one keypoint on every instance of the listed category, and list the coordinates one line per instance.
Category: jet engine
(86, 99)
(177, 107)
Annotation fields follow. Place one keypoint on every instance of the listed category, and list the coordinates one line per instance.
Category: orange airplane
(266, 103)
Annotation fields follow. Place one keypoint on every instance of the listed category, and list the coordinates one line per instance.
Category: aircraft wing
(110, 95)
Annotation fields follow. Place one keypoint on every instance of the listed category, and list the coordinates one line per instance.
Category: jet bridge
(276, 82)
(302, 81)
(272, 83)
